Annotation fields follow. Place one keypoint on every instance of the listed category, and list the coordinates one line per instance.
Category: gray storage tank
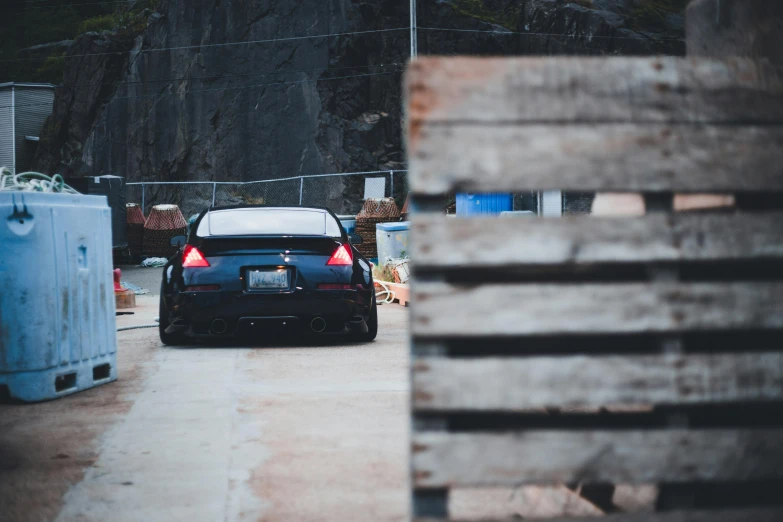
(57, 320)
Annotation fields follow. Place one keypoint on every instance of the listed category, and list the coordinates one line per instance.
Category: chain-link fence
(342, 193)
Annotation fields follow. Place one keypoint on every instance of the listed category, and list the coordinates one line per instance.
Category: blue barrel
(392, 240)
(57, 321)
(475, 204)
(348, 223)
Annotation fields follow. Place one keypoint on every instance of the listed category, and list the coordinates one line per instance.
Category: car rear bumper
(241, 314)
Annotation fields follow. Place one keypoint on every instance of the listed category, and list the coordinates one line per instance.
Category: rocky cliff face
(167, 104)
(552, 27)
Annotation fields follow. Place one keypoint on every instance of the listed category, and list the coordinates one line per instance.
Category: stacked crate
(136, 220)
(374, 211)
(589, 350)
(163, 223)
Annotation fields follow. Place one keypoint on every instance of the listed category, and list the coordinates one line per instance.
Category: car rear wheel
(170, 339)
(372, 326)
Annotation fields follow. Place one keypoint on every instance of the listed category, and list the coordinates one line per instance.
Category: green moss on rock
(478, 10)
(653, 13)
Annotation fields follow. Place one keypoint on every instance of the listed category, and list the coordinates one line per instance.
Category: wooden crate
(589, 350)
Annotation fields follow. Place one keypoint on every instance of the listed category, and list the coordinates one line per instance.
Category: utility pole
(414, 36)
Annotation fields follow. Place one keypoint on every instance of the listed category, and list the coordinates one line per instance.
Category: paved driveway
(228, 433)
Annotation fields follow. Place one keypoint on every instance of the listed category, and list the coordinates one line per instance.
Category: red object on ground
(117, 276)
(123, 298)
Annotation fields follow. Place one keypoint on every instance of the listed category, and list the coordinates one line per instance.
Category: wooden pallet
(589, 350)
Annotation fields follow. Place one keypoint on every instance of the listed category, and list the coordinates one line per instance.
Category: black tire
(175, 339)
(372, 326)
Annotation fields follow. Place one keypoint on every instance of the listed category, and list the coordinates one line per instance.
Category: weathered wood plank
(447, 310)
(592, 89)
(728, 515)
(524, 384)
(439, 242)
(614, 157)
(627, 457)
(527, 502)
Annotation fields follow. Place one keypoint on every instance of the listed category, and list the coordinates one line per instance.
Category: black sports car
(256, 271)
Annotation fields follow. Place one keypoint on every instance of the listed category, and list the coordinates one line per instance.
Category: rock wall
(270, 109)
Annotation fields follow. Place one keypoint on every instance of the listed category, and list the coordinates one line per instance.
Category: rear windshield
(268, 222)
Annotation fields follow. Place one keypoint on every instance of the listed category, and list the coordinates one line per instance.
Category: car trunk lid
(265, 245)
(305, 259)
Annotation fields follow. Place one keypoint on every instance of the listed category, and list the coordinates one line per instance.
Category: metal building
(24, 108)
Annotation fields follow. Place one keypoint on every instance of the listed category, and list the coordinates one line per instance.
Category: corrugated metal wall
(6, 129)
(33, 106)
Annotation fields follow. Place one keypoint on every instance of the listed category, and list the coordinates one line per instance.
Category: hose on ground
(138, 326)
(388, 293)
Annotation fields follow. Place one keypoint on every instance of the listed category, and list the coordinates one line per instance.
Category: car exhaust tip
(318, 325)
(219, 326)
(357, 325)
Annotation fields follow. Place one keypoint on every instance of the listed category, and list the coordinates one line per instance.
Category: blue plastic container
(57, 320)
(348, 223)
(476, 204)
(392, 240)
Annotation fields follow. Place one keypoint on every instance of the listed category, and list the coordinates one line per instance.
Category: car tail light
(342, 256)
(333, 286)
(202, 288)
(193, 258)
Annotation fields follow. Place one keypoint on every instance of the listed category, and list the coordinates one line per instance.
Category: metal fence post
(391, 182)
(301, 188)
(214, 191)
(143, 208)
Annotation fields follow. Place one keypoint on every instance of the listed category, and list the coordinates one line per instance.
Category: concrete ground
(265, 433)
(147, 278)
(218, 433)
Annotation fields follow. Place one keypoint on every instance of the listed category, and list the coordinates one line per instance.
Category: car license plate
(272, 279)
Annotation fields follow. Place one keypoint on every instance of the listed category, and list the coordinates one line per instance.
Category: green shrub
(131, 19)
(383, 273)
(30, 25)
(584, 3)
(97, 24)
(651, 14)
(476, 9)
(51, 70)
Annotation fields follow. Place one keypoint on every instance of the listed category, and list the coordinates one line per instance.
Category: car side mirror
(355, 239)
(178, 241)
